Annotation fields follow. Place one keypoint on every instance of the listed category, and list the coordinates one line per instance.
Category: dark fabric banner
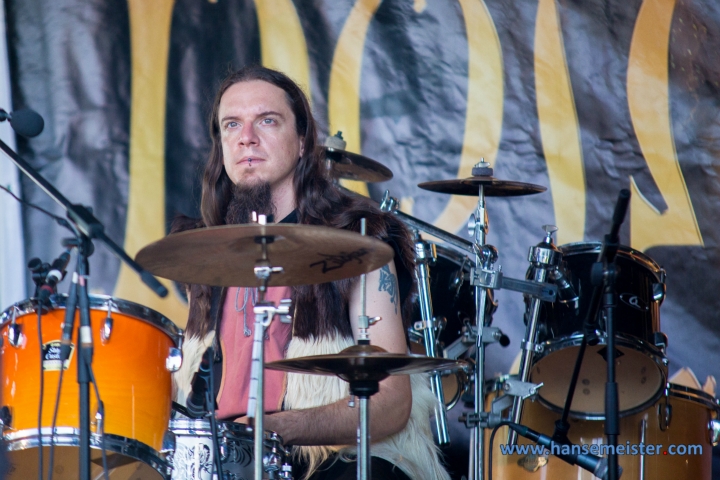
(582, 97)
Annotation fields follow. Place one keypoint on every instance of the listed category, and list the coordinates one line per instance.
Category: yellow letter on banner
(483, 116)
(345, 74)
(559, 128)
(282, 41)
(150, 40)
(648, 99)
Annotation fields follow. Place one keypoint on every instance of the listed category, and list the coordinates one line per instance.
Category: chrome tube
(423, 255)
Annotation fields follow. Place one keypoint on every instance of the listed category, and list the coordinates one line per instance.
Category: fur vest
(412, 449)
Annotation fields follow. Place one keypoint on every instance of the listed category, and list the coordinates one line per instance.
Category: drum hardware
(264, 313)
(643, 439)
(107, 324)
(15, 335)
(352, 166)
(424, 254)
(173, 362)
(495, 279)
(390, 204)
(481, 184)
(664, 413)
(714, 432)
(543, 258)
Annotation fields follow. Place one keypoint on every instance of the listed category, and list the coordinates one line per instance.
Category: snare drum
(682, 416)
(135, 350)
(193, 457)
(641, 371)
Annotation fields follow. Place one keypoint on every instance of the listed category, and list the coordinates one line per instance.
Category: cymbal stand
(264, 313)
(364, 388)
(478, 226)
(484, 276)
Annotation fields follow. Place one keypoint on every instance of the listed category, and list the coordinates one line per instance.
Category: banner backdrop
(585, 98)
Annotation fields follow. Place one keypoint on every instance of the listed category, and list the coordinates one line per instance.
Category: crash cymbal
(225, 256)
(493, 187)
(365, 362)
(352, 166)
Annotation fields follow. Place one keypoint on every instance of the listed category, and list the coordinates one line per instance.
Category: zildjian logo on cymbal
(333, 262)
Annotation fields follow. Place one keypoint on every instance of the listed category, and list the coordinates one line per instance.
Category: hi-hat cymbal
(493, 187)
(352, 166)
(225, 256)
(365, 362)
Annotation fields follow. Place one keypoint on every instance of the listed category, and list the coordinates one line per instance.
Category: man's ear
(302, 146)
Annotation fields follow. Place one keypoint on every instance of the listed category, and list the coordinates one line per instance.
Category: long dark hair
(318, 202)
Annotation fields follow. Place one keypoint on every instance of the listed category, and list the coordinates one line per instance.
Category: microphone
(25, 122)
(566, 292)
(598, 466)
(196, 405)
(619, 214)
(54, 276)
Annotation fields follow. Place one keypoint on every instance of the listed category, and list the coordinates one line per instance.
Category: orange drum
(682, 417)
(135, 351)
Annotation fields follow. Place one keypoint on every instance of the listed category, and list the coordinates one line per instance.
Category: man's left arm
(336, 423)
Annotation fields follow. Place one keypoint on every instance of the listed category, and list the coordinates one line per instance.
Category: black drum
(641, 364)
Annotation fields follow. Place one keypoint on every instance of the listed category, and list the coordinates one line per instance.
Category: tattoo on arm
(388, 283)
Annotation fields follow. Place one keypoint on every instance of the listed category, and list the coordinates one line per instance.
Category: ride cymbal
(225, 256)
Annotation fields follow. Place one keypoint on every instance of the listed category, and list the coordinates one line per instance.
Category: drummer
(265, 158)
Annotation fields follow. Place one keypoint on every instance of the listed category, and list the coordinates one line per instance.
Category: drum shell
(692, 411)
(641, 366)
(130, 369)
(637, 311)
(236, 444)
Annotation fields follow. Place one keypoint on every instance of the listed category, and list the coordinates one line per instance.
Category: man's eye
(268, 121)
(232, 124)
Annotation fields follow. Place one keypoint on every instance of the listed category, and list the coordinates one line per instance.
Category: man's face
(257, 129)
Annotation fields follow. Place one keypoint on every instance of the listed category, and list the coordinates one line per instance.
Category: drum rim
(70, 437)
(693, 395)
(574, 340)
(101, 303)
(594, 247)
(621, 340)
(199, 426)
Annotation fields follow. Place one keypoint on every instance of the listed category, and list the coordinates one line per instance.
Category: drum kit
(133, 429)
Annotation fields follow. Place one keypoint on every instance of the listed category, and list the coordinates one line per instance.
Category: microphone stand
(604, 273)
(87, 227)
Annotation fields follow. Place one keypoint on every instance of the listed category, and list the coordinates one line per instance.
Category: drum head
(126, 459)
(639, 375)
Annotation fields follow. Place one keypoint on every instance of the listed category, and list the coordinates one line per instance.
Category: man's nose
(248, 135)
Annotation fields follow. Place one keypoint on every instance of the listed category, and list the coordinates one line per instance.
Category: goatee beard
(248, 199)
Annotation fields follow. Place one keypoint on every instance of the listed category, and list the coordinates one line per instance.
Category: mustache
(247, 199)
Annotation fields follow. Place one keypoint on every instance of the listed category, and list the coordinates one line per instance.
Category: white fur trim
(412, 449)
(192, 349)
